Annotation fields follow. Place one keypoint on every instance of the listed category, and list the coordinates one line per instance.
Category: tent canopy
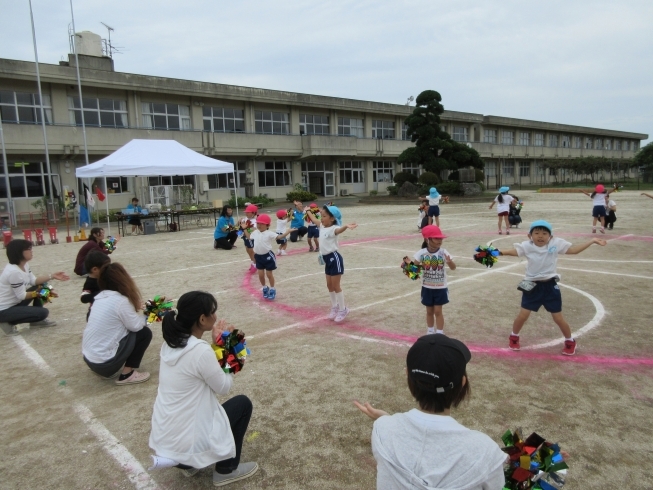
(142, 158)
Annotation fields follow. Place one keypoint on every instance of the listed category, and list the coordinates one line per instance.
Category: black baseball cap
(437, 363)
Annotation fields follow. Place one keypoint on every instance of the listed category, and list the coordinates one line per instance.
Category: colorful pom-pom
(411, 270)
(486, 255)
(44, 293)
(230, 349)
(155, 309)
(110, 244)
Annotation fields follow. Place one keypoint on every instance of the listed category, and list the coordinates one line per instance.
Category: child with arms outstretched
(503, 201)
(598, 201)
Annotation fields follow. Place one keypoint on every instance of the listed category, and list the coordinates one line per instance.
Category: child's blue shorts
(248, 243)
(435, 297)
(434, 211)
(598, 211)
(546, 293)
(281, 241)
(266, 261)
(313, 232)
(333, 264)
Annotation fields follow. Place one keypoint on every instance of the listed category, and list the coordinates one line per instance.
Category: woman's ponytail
(178, 324)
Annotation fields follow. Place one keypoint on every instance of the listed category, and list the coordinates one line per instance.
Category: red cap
(312, 205)
(432, 231)
(252, 208)
(282, 213)
(263, 218)
(599, 188)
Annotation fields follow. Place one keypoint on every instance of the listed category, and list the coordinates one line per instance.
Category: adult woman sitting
(116, 338)
(18, 290)
(95, 242)
(224, 237)
(189, 426)
(297, 222)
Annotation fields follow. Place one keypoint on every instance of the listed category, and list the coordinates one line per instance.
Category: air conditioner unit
(344, 192)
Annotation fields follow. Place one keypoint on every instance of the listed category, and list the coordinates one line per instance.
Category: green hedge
(428, 179)
(300, 196)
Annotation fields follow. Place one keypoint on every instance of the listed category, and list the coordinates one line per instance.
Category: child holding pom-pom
(539, 287)
(434, 277)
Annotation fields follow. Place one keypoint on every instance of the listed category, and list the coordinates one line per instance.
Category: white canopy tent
(145, 158)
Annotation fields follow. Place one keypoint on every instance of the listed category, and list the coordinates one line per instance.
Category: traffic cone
(82, 232)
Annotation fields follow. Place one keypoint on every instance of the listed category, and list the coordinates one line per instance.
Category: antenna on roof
(108, 48)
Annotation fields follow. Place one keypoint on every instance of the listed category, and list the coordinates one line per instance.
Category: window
(507, 137)
(608, 144)
(552, 171)
(382, 171)
(617, 145)
(490, 169)
(352, 172)
(578, 142)
(539, 139)
(316, 167)
(490, 136)
(115, 185)
(226, 181)
(635, 145)
(274, 174)
(313, 124)
(27, 180)
(267, 122)
(404, 131)
(107, 113)
(412, 168)
(524, 169)
(383, 129)
(598, 144)
(509, 169)
(627, 145)
(553, 140)
(221, 120)
(348, 126)
(524, 138)
(188, 180)
(24, 108)
(588, 143)
(565, 142)
(170, 117)
(460, 133)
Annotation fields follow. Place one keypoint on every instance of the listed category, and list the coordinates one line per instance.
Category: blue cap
(543, 224)
(335, 212)
(433, 193)
(503, 189)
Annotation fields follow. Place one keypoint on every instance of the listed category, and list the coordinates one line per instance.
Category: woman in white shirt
(18, 290)
(503, 201)
(115, 338)
(189, 426)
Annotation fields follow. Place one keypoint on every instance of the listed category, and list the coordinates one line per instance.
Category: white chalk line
(130, 465)
(190, 268)
(605, 272)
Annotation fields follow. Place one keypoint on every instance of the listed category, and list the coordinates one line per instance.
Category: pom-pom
(110, 244)
(444, 199)
(155, 309)
(616, 187)
(44, 293)
(316, 213)
(411, 270)
(245, 224)
(533, 462)
(486, 255)
(230, 349)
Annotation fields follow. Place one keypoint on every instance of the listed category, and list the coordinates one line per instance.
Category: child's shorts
(248, 243)
(503, 213)
(546, 293)
(281, 241)
(434, 211)
(333, 264)
(598, 211)
(266, 261)
(435, 297)
(313, 232)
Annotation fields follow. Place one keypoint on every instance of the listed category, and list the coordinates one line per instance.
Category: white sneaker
(283, 252)
(333, 313)
(341, 315)
(8, 329)
(43, 323)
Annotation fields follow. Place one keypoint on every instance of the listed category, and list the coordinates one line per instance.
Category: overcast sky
(577, 62)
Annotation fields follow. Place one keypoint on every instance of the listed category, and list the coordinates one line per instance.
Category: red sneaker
(570, 348)
(514, 342)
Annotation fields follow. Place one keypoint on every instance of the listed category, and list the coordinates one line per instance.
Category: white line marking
(129, 464)
(609, 260)
(189, 268)
(605, 272)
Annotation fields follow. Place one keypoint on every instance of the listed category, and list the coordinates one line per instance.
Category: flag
(84, 217)
(100, 196)
(90, 202)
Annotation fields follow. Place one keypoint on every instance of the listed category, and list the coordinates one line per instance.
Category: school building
(331, 146)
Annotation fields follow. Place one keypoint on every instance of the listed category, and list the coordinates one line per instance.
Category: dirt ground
(62, 426)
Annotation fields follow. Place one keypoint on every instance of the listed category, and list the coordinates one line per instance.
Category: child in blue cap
(334, 267)
(434, 209)
(539, 287)
(503, 201)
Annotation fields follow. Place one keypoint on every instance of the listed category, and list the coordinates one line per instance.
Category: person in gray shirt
(425, 448)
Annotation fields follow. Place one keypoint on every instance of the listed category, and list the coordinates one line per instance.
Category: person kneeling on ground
(18, 288)
(189, 426)
(115, 338)
(426, 448)
(95, 242)
(610, 209)
(226, 233)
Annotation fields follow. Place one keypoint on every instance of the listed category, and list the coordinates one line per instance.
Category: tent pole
(233, 174)
(106, 200)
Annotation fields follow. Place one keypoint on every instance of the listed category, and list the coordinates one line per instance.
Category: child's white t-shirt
(282, 226)
(434, 275)
(434, 201)
(542, 261)
(599, 199)
(422, 214)
(328, 239)
(263, 241)
(610, 204)
(251, 220)
(504, 207)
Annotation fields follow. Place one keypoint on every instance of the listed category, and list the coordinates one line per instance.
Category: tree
(434, 149)
(644, 157)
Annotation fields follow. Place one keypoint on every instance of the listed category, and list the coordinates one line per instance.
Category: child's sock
(515, 334)
(125, 376)
(570, 338)
(439, 331)
(334, 299)
(430, 330)
(340, 297)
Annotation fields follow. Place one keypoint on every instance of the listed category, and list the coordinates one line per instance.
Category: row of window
(556, 141)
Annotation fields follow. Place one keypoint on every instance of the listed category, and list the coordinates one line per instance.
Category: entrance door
(316, 183)
(329, 184)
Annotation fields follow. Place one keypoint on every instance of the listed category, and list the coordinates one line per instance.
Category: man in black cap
(426, 448)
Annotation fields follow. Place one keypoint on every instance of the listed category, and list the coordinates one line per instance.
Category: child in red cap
(282, 226)
(249, 223)
(313, 230)
(598, 200)
(434, 277)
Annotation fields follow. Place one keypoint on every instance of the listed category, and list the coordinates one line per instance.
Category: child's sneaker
(283, 252)
(317, 249)
(500, 232)
(266, 292)
(341, 315)
(333, 313)
(602, 230)
(593, 230)
(252, 268)
(272, 294)
(310, 248)
(514, 342)
(507, 232)
(570, 348)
